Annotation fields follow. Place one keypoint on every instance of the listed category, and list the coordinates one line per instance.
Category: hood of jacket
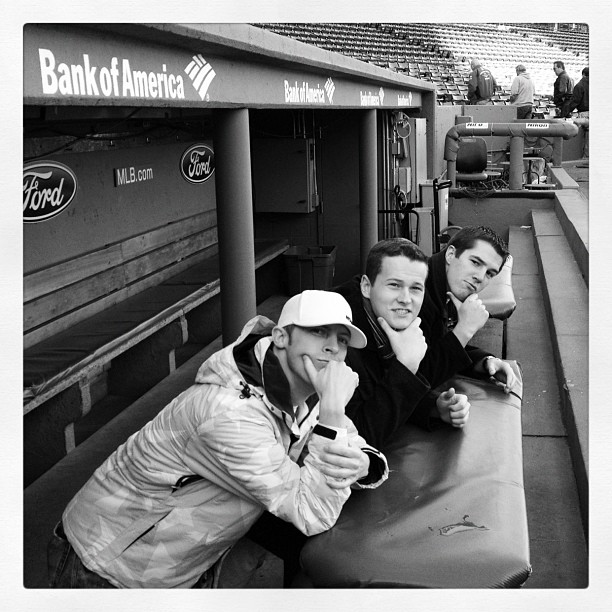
(221, 367)
(525, 75)
(250, 365)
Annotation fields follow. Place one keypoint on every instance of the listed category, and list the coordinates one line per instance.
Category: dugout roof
(201, 66)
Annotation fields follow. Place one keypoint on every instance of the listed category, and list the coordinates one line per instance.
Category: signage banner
(48, 189)
(69, 65)
(197, 163)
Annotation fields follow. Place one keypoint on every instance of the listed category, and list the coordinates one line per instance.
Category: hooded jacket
(244, 448)
(522, 90)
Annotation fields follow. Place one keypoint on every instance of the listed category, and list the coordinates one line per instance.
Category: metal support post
(516, 162)
(368, 201)
(234, 220)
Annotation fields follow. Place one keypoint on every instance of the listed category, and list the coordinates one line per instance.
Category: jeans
(66, 570)
(281, 539)
(524, 112)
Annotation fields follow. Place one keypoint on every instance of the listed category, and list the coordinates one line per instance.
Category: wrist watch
(326, 432)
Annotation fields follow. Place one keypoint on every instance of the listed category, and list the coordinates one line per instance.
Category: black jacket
(562, 92)
(580, 96)
(445, 356)
(389, 394)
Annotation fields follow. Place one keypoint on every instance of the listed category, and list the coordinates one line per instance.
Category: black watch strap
(326, 432)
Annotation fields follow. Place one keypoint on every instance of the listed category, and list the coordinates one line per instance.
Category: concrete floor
(557, 542)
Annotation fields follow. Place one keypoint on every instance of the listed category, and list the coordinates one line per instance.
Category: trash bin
(310, 267)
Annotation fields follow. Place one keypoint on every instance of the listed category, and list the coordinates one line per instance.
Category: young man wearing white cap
(165, 507)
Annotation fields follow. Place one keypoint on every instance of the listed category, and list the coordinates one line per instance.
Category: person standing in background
(521, 93)
(563, 88)
(481, 85)
(580, 102)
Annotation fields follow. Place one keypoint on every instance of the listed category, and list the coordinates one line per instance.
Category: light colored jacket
(128, 525)
(522, 90)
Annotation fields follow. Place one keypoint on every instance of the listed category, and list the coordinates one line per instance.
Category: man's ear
(449, 253)
(366, 285)
(280, 337)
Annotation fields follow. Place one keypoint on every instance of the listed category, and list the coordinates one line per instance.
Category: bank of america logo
(329, 90)
(201, 74)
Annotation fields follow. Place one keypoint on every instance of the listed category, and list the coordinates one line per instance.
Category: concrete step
(572, 210)
(566, 302)
(529, 341)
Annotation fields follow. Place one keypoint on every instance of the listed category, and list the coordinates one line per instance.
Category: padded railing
(451, 515)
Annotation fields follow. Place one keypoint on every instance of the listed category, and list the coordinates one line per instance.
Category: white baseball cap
(313, 308)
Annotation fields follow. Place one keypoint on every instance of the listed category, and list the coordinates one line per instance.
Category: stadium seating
(441, 53)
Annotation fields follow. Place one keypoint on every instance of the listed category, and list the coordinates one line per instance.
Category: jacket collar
(437, 277)
(260, 367)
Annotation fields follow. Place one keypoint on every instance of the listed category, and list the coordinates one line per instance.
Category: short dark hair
(391, 247)
(585, 71)
(559, 64)
(289, 329)
(467, 236)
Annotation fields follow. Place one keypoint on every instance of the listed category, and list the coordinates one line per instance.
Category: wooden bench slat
(50, 279)
(40, 334)
(54, 305)
(166, 257)
(150, 241)
(57, 276)
(125, 280)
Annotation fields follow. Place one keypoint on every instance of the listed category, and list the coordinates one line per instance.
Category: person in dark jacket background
(452, 312)
(481, 85)
(580, 95)
(580, 102)
(562, 90)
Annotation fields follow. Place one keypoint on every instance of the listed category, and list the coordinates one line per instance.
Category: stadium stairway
(550, 280)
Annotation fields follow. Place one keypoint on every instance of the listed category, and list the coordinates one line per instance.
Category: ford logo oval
(198, 163)
(48, 188)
